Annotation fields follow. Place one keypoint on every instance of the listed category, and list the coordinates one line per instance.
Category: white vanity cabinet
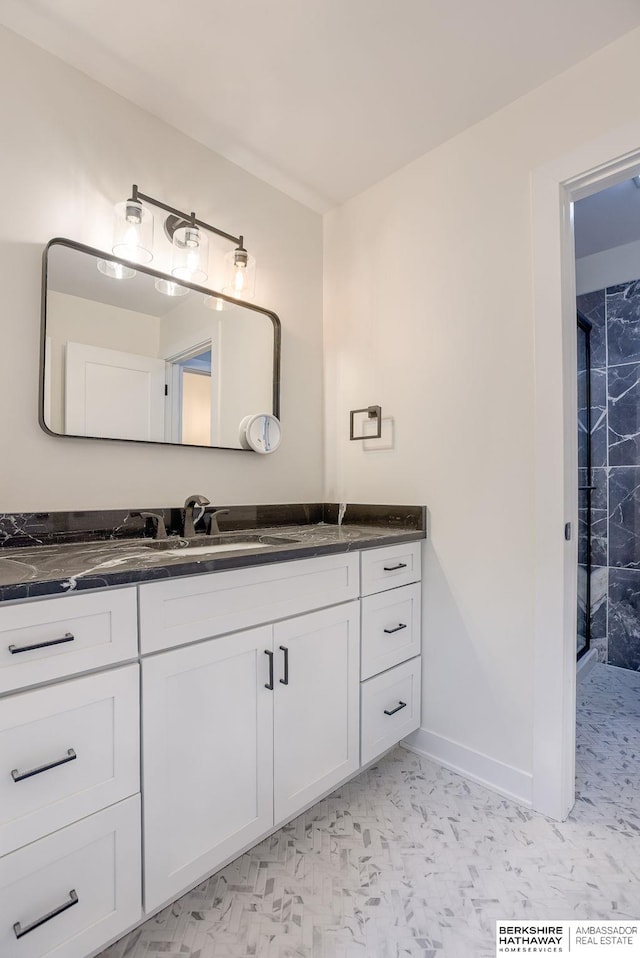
(46, 639)
(241, 732)
(67, 750)
(208, 757)
(68, 894)
(390, 650)
(316, 703)
(70, 868)
(262, 689)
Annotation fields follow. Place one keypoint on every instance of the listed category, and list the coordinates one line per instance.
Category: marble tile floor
(410, 859)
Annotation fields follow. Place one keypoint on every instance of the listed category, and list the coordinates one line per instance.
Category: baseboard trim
(585, 664)
(511, 782)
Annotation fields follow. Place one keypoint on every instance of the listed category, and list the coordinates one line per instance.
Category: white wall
(428, 311)
(245, 378)
(77, 320)
(242, 360)
(621, 264)
(70, 150)
(196, 408)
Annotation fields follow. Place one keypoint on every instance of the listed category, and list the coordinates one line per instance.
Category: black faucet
(161, 529)
(211, 521)
(189, 523)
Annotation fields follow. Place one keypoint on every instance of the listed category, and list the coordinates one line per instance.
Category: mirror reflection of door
(112, 394)
(191, 392)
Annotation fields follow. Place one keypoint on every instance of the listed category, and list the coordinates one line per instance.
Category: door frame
(173, 401)
(554, 188)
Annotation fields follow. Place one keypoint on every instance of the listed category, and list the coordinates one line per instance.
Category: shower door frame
(603, 162)
(586, 326)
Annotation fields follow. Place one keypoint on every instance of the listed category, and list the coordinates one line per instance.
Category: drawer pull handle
(67, 637)
(400, 705)
(269, 684)
(394, 568)
(285, 680)
(19, 931)
(397, 629)
(20, 776)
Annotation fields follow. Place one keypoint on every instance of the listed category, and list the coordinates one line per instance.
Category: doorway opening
(556, 189)
(607, 241)
(192, 417)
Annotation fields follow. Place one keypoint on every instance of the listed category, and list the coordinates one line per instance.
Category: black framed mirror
(130, 353)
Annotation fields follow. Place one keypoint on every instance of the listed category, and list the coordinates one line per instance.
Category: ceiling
(321, 98)
(74, 272)
(607, 219)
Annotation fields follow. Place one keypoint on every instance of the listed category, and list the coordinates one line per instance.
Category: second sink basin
(207, 545)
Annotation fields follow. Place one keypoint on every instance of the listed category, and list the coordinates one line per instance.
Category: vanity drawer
(390, 629)
(389, 567)
(66, 751)
(179, 611)
(47, 639)
(397, 692)
(92, 867)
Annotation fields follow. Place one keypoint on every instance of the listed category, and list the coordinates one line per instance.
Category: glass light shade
(168, 288)
(190, 257)
(240, 274)
(115, 270)
(214, 302)
(133, 232)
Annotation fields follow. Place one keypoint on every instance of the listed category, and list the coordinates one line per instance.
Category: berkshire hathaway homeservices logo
(530, 937)
(590, 939)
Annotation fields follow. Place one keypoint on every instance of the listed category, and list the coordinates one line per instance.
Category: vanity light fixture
(190, 254)
(133, 240)
(168, 288)
(240, 270)
(214, 302)
(133, 232)
(115, 270)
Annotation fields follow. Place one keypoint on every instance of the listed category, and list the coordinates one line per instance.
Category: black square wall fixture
(369, 412)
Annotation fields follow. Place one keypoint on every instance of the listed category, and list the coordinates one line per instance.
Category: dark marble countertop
(42, 570)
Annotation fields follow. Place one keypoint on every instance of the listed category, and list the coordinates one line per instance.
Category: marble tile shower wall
(615, 472)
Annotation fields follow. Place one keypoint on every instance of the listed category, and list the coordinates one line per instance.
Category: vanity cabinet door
(48, 639)
(66, 751)
(316, 705)
(390, 707)
(389, 567)
(208, 754)
(68, 894)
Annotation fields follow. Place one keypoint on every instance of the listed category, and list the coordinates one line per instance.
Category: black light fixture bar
(182, 219)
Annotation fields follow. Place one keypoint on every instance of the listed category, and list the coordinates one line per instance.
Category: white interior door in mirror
(113, 395)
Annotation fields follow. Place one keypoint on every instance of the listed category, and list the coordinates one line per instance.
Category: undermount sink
(12, 571)
(208, 545)
(208, 550)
